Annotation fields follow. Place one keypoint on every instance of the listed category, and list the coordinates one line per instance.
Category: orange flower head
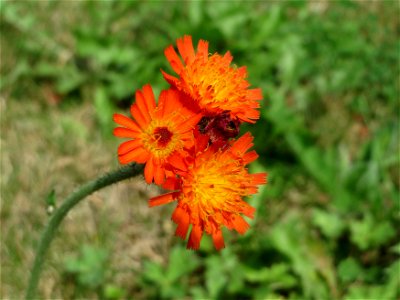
(159, 134)
(210, 194)
(210, 81)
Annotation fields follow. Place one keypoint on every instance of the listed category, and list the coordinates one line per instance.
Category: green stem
(49, 232)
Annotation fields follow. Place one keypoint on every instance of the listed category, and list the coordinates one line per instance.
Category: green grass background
(327, 223)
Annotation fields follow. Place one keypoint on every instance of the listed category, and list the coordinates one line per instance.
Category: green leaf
(45, 69)
(51, 198)
(396, 248)
(216, 279)
(153, 272)
(196, 12)
(181, 262)
(369, 233)
(104, 111)
(90, 267)
(330, 224)
(69, 80)
(349, 270)
(307, 255)
(267, 24)
(275, 277)
(224, 274)
(114, 292)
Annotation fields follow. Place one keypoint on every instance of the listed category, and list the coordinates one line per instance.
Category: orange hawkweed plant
(210, 194)
(211, 82)
(188, 142)
(158, 135)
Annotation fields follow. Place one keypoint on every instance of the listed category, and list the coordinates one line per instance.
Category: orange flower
(159, 135)
(211, 82)
(210, 194)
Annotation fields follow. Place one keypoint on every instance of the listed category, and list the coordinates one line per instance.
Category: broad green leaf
(104, 110)
(330, 223)
(369, 233)
(153, 272)
(89, 267)
(308, 256)
(349, 270)
(181, 263)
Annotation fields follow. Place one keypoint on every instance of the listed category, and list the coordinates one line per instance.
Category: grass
(327, 222)
(45, 157)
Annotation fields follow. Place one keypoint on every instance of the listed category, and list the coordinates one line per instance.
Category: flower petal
(149, 97)
(202, 49)
(125, 133)
(162, 199)
(186, 50)
(137, 114)
(218, 239)
(239, 224)
(159, 174)
(170, 79)
(195, 237)
(149, 171)
(125, 147)
(259, 178)
(177, 161)
(173, 59)
(138, 155)
(126, 122)
(254, 94)
(241, 145)
(183, 226)
(142, 106)
(250, 157)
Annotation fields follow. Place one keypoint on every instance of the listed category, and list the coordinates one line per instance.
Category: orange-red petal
(218, 239)
(250, 157)
(183, 226)
(241, 145)
(190, 124)
(149, 171)
(259, 178)
(138, 155)
(127, 146)
(159, 174)
(202, 49)
(125, 132)
(162, 199)
(170, 79)
(177, 162)
(186, 50)
(255, 94)
(195, 237)
(173, 59)
(149, 97)
(240, 224)
(142, 106)
(126, 122)
(137, 114)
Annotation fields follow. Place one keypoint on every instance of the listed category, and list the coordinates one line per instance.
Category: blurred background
(327, 223)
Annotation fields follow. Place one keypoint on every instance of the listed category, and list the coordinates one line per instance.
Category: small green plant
(90, 272)
(90, 268)
(171, 281)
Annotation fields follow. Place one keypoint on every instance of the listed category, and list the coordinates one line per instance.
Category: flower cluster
(187, 141)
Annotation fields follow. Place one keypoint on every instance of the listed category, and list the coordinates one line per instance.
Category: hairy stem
(59, 214)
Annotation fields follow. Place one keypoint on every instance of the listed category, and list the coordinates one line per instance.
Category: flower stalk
(59, 214)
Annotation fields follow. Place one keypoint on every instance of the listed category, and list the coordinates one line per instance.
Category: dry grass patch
(45, 148)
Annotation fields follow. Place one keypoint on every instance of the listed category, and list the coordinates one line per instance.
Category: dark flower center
(163, 136)
(219, 128)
